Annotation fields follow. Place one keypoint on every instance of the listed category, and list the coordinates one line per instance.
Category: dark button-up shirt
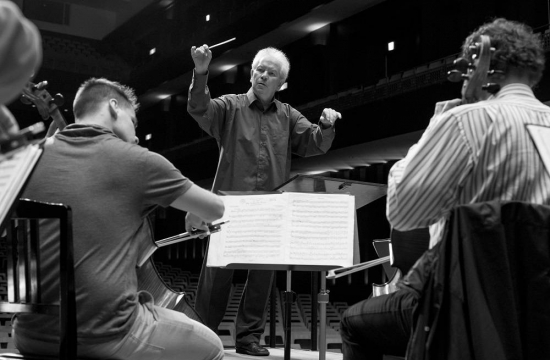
(255, 145)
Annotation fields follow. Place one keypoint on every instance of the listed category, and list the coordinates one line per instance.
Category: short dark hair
(95, 91)
(515, 45)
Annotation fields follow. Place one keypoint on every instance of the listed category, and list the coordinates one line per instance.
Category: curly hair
(94, 91)
(515, 45)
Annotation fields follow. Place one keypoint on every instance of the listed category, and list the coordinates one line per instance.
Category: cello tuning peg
(25, 100)
(491, 88)
(455, 75)
(41, 85)
(461, 68)
(462, 64)
(58, 100)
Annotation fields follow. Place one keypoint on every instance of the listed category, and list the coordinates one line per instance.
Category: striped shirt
(471, 153)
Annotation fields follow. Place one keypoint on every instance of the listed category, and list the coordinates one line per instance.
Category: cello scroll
(475, 72)
(46, 105)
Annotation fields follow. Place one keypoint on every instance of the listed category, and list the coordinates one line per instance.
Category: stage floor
(279, 354)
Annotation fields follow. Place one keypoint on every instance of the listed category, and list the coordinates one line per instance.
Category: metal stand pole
(314, 307)
(273, 313)
(289, 300)
(323, 300)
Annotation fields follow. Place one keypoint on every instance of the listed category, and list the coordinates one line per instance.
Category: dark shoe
(253, 349)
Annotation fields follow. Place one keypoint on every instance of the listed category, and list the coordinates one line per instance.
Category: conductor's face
(266, 78)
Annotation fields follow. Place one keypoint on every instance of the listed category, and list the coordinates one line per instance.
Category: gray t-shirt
(111, 186)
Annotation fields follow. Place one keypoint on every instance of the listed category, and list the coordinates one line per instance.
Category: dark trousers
(213, 295)
(377, 326)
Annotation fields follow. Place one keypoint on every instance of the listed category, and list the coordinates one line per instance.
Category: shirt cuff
(200, 80)
(323, 126)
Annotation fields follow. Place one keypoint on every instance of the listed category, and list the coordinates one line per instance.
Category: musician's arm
(203, 205)
(422, 188)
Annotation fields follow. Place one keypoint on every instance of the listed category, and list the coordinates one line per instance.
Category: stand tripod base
(278, 354)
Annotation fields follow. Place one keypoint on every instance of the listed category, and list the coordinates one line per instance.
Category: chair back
(23, 270)
(484, 294)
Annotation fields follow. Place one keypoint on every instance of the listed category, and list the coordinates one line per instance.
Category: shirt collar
(252, 98)
(515, 89)
(86, 130)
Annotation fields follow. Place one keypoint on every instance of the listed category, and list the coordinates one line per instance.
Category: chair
(487, 286)
(23, 271)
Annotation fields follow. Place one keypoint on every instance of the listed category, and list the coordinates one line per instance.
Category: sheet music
(288, 228)
(541, 137)
(15, 168)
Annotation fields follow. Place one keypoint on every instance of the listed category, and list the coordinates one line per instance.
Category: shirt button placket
(262, 155)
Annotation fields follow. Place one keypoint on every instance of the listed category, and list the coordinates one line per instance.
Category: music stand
(16, 167)
(364, 194)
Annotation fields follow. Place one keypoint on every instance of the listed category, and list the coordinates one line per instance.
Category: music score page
(541, 137)
(15, 168)
(285, 229)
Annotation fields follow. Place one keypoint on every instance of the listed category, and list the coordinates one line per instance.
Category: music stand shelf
(281, 267)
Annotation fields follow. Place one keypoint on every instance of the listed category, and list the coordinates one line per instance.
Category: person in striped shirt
(469, 153)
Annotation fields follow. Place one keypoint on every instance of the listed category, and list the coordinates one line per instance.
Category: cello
(149, 278)
(474, 72)
(46, 105)
(406, 247)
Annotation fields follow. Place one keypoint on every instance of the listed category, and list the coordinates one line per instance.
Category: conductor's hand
(8, 125)
(329, 117)
(201, 57)
(194, 223)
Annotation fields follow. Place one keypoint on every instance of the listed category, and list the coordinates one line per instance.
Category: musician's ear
(113, 105)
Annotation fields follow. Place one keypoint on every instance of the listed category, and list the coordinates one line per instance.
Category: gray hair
(277, 54)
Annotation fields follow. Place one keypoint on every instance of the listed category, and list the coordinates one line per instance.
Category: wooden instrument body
(151, 281)
(407, 248)
(387, 287)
